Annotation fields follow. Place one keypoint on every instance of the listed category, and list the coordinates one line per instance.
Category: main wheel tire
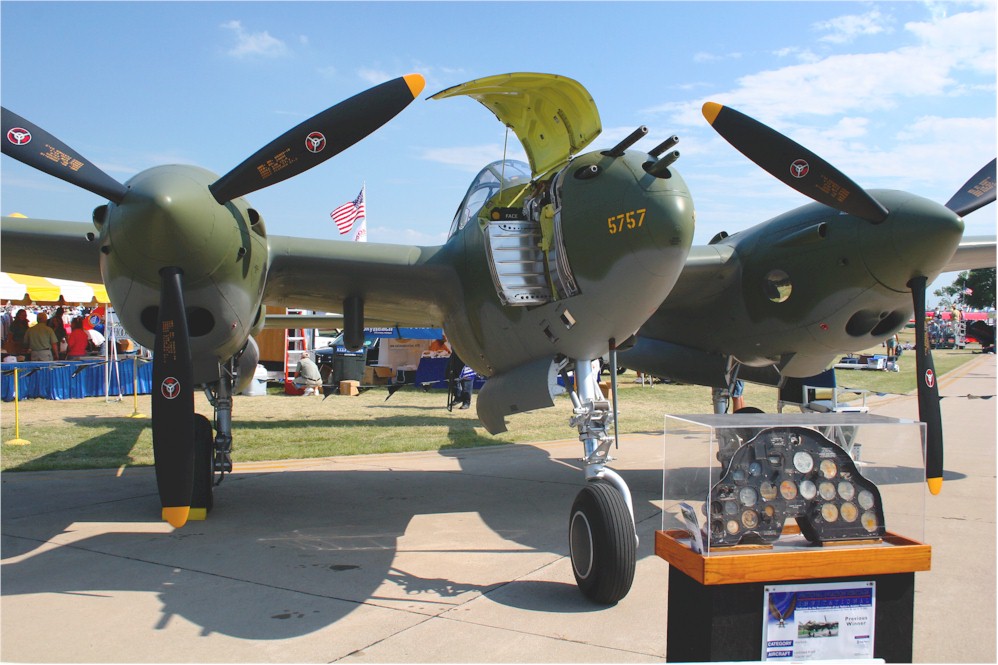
(602, 543)
(202, 495)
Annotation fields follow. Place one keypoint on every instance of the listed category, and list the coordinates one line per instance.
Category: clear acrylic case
(749, 480)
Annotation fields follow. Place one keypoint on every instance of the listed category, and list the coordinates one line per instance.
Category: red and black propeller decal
(319, 138)
(793, 164)
(27, 142)
(173, 401)
(928, 391)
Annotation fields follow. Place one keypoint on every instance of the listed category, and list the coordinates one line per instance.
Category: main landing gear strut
(602, 536)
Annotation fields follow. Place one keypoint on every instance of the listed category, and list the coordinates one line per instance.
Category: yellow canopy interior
(553, 116)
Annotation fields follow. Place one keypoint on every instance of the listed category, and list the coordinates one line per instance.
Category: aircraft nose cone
(166, 219)
(917, 239)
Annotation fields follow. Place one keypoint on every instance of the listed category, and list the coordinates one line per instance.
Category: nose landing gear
(602, 537)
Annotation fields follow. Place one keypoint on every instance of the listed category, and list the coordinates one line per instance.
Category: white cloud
(704, 56)
(472, 159)
(250, 44)
(374, 76)
(848, 83)
(844, 29)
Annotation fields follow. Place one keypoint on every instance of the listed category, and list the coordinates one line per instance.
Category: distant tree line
(971, 288)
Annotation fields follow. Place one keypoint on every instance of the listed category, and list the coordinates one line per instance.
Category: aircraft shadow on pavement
(287, 553)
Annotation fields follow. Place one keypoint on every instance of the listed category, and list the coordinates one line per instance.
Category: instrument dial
(846, 490)
(803, 462)
(829, 512)
(826, 490)
(808, 490)
(788, 490)
(869, 521)
(828, 468)
(849, 512)
(747, 496)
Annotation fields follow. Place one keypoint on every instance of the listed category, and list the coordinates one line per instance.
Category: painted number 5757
(631, 219)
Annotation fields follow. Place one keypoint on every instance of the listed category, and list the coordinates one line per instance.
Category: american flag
(347, 214)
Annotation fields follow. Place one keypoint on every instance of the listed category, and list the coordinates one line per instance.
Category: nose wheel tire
(602, 543)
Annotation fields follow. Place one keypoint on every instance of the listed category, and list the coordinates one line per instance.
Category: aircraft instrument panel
(794, 472)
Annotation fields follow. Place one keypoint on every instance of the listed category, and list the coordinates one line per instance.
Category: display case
(821, 512)
(790, 482)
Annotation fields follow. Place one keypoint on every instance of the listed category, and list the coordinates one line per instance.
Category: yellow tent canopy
(25, 290)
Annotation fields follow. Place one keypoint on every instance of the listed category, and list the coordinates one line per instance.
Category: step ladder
(295, 342)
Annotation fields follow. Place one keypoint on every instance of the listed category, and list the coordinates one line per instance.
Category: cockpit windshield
(507, 173)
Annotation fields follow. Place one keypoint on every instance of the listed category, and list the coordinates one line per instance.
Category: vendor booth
(16, 289)
(93, 376)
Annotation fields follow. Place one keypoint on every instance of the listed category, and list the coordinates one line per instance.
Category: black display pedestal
(716, 603)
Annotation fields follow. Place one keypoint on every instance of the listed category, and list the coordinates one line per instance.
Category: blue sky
(897, 95)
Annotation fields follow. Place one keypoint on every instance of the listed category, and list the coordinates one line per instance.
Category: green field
(94, 433)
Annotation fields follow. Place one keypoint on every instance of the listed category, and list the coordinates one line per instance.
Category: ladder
(295, 342)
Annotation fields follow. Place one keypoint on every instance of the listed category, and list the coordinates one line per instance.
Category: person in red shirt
(78, 340)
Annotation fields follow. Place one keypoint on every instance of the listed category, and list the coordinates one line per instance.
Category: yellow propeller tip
(710, 111)
(935, 485)
(176, 515)
(416, 83)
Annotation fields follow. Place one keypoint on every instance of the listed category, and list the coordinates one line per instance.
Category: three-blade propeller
(812, 176)
(297, 150)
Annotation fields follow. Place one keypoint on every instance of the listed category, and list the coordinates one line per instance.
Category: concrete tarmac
(456, 556)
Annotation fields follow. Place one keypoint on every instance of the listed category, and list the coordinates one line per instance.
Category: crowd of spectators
(50, 333)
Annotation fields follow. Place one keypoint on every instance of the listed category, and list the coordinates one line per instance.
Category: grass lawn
(94, 433)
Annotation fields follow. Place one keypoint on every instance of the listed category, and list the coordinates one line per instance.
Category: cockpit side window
(486, 185)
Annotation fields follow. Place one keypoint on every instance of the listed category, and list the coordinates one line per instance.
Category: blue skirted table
(73, 379)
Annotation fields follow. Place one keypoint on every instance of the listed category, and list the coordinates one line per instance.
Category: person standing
(78, 340)
(18, 329)
(42, 341)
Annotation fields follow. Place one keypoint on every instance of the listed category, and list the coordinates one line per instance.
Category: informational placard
(826, 621)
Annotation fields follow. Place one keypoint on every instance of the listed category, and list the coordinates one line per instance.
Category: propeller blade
(27, 142)
(173, 402)
(928, 391)
(319, 138)
(793, 164)
(975, 193)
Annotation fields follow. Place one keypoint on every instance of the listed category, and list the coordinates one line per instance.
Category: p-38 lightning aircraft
(526, 285)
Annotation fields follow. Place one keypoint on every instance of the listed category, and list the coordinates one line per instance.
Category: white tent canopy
(26, 289)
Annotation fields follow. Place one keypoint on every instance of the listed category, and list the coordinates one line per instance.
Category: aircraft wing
(403, 284)
(973, 252)
(399, 283)
(50, 248)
